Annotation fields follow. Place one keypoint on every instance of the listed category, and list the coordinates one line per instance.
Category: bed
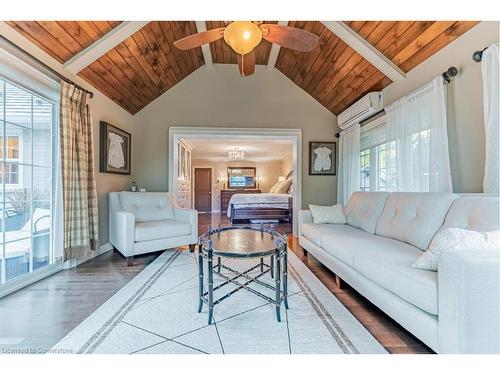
(262, 207)
(277, 205)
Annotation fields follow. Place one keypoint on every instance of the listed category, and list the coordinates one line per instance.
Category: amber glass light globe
(242, 36)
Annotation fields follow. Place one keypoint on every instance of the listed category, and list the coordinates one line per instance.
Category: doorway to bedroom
(237, 176)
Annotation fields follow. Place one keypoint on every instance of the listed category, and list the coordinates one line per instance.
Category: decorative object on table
(115, 149)
(243, 243)
(322, 159)
(142, 190)
(133, 187)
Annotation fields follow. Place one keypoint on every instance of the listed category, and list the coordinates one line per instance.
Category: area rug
(156, 312)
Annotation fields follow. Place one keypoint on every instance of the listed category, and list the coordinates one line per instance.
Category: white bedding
(258, 200)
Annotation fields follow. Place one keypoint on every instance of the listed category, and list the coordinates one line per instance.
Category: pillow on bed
(274, 187)
(283, 186)
(327, 214)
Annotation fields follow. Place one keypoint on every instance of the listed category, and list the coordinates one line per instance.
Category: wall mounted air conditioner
(365, 107)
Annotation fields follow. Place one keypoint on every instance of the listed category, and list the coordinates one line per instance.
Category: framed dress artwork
(322, 159)
(115, 149)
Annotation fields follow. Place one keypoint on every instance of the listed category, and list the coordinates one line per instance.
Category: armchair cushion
(154, 230)
(147, 206)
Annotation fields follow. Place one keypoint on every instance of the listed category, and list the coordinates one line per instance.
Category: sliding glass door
(26, 180)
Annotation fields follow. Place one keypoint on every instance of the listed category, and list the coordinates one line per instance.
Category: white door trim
(175, 133)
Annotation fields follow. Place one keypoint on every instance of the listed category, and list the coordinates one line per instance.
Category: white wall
(465, 104)
(218, 97)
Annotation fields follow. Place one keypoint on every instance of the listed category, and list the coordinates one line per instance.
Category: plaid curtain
(78, 175)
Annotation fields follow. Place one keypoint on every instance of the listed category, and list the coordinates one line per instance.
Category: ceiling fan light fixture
(242, 36)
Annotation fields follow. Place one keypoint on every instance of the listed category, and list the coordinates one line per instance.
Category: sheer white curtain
(490, 67)
(417, 125)
(348, 180)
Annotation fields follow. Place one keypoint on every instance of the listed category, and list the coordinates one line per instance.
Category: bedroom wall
(218, 97)
(269, 171)
(287, 162)
(465, 102)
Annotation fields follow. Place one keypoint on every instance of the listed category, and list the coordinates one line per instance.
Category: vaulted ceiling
(146, 64)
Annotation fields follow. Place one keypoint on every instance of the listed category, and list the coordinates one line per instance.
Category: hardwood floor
(35, 318)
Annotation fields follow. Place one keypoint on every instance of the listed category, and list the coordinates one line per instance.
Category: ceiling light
(242, 36)
(236, 154)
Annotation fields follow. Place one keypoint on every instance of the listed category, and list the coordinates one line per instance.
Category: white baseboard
(30, 278)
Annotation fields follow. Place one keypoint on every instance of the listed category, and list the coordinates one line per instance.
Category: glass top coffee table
(243, 243)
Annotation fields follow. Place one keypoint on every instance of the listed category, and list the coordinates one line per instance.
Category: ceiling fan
(244, 36)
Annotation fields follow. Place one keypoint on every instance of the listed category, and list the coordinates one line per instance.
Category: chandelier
(236, 154)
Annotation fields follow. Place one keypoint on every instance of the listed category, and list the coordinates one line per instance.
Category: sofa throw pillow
(456, 239)
(327, 214)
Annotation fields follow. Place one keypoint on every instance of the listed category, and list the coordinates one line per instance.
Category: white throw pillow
(456, 239)
(283, 186)
(274, 187)
(327, 214)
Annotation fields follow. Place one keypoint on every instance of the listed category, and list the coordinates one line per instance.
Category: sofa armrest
(469, 306)
(188, 216)
(122, 231)
(304, 217)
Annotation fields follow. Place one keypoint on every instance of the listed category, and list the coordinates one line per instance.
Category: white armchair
(140, 223)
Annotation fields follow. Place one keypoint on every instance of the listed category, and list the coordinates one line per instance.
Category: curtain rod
(478, 55)
(43, 65)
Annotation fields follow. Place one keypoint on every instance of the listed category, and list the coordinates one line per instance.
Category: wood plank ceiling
(336, 75)
(145, 65)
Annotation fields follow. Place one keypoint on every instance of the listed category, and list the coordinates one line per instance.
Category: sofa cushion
(147, 206)
(345, 246)
(315, 232)
(414, 217)
(154, 230)
(479, 212)
(389, 267)
(364, 209)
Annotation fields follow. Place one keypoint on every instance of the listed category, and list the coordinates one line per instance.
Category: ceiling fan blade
(246, 63)
(197, 40)
(289, 37)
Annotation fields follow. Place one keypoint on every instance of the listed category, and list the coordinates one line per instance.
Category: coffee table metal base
(278, 271)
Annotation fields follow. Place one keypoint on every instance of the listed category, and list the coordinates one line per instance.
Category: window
(12, 151)
(379, 159)
(27, 122)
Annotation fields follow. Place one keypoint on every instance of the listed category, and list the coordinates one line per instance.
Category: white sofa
(144, 222)
(454, 310)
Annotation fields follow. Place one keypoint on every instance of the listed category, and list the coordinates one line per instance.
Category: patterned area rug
(156, 312)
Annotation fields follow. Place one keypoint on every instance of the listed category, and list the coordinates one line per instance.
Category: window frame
(18, 128)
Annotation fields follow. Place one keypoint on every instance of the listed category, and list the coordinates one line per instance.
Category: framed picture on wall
(115, 149)
(322, 159)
